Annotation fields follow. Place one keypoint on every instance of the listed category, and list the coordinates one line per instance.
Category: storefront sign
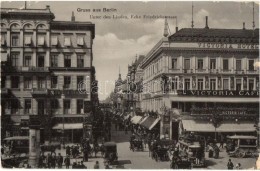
(219, 93)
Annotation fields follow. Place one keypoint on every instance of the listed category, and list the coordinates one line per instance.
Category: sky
(118, 41)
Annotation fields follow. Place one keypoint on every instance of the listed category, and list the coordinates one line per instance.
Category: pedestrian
(49, 160)
(82, 166)
(221, 143)
(96, 166)
(67, 162)
(230, 165)
(238, 166)
(41, 159)
(85, 153)
(59, 160)
(68, 150)
(74, 165)
(53, 161)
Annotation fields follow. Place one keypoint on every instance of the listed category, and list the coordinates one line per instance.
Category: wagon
(136, 145)
(243, 145)
(110, 152)
(51, 147)
(161, 154)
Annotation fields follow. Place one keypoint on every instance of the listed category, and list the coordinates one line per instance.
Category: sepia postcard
(130, 85)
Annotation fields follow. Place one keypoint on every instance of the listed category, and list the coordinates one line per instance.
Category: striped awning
(68, 126)
(203, 126)
(150, 122)
(136, 119)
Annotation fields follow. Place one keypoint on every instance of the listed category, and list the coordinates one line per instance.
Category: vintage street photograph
(130, 85)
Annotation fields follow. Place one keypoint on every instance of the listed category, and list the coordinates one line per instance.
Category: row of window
(13, 106)
(212, 64)
(204, 84)
(41, 40)
(42, 83)
(40, 61)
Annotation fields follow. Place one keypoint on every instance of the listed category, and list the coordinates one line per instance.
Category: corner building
(197, 74)
(46, 71)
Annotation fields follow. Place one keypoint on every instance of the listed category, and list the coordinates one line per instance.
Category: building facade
(199, 74)
(46, 71)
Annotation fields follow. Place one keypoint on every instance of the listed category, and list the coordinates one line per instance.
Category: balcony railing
(213, 71)
(187, 70)
(173, 70)
(226, 71)
(67, 111)
(201, 70)
(39, 91)
(239, 71)
(38, 69)
(252, 71)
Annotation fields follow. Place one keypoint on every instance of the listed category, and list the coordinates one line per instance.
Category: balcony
(239, 72)
(187, 70)
(226, 71)
(38, 69)
(172, 70)
(213, 71)
(201, 70)
(39, 91)
(252, 71)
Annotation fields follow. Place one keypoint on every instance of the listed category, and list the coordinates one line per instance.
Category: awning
(28, 40)
(136, 119)
(154, 123)
(215, 99)
(68, 126)
(80, 41)
(144, 120)
(148, 123)
(236, 127)
(67, 41)
(3, 57)
(41, 40)
(196, 126)
(54, 41)
(203, 126)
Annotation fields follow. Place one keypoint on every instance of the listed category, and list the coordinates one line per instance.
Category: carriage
(110, 152)
(136, 145)
(51, 147)
(17, 144)
(242, 146)
(160, 154)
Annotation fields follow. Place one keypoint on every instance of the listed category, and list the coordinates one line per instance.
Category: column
(34, 147)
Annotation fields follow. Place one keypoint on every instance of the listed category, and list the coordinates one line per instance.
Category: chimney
(48, 7)
(244, 26)
(166, 27)
(72, 16)
(206, 27)
(177, 29)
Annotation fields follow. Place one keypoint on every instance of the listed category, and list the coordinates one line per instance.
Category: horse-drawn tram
(242, 146)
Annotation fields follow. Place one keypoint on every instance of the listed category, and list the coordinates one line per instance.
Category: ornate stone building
(46, 71)
(204, 80)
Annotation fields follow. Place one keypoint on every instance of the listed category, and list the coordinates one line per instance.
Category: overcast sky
(118, 41)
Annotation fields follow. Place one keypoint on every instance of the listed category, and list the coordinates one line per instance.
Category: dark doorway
(175, 131)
